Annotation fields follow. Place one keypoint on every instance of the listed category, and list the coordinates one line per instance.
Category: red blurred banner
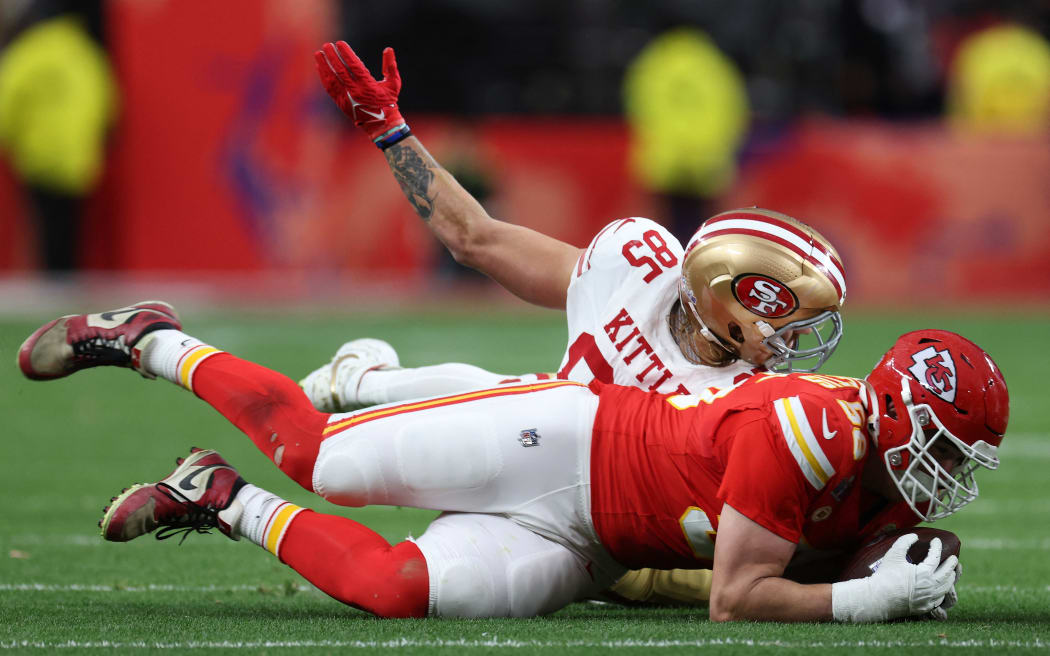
(229, 158)
(917, 213)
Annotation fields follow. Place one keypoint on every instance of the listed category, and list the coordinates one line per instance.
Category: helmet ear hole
(891, 410)
(736, 333)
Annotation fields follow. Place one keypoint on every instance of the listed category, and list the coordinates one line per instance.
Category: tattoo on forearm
(414, 177)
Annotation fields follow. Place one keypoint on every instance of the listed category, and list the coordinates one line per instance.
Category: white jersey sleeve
(618, 303)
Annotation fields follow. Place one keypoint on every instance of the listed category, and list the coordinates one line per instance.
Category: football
(867, 559)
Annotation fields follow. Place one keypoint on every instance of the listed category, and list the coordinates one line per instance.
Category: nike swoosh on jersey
(828, 434)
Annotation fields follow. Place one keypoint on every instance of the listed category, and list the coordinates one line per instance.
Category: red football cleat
(197, 496)
(78, 341)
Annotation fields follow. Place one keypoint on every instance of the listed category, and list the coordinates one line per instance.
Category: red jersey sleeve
(759, 484)
(779, 462)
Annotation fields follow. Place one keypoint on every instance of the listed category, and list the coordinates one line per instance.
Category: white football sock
(173, 355)
(265, 517)
(392, 385)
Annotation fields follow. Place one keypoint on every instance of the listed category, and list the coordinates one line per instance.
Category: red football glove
(372, 105)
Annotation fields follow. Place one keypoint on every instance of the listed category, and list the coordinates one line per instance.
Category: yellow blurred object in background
(688, 110)
(1000, 82)
(57, 98)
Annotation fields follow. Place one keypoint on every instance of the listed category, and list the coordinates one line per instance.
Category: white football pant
(520, 457)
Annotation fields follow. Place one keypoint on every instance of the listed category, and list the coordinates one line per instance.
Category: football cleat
(78, 341)
(198, 496)
(334, 386)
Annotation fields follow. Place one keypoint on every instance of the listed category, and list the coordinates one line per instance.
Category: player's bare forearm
(775, 599)
(413, 167)
(748, 579)
(449, 211)
(529, 264)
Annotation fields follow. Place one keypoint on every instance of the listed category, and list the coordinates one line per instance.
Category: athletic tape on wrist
(392, 136)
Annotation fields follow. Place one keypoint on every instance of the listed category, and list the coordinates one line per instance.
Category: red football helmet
(935, 388)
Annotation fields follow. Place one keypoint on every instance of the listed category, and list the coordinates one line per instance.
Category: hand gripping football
(867, 559)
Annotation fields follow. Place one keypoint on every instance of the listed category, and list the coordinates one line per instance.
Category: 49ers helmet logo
(935, 370)
(764, 296)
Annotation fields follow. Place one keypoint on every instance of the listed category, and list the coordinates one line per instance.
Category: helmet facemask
(818, 336)
(804, 345)
(921, 479)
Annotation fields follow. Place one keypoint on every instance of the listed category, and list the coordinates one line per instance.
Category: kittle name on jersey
(628, 339)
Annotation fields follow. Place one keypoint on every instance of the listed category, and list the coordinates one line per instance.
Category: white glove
(898, 588)
(940, 613)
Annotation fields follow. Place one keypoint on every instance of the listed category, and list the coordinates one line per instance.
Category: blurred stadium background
(184, 150)
(913, 134)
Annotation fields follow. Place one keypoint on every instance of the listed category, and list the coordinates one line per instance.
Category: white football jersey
(618, 303)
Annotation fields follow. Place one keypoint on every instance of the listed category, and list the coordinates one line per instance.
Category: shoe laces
(198, 518)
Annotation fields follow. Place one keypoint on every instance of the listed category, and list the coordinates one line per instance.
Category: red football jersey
(786, 450)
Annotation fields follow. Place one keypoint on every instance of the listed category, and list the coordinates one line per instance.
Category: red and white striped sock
(173, 355)
(265, 518)
(343, 558)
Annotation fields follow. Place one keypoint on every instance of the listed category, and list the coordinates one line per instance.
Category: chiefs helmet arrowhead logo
(935, 370)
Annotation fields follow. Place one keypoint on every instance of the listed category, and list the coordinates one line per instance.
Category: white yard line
(93, 540)
(997, 506)
(151, 587)
(462, 643)
(18, 541)
(1025, 445)
(1007, 544)
(1013, 589)
(86, 540)
(299, 587)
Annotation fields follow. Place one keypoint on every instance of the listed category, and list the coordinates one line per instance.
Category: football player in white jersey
(641, 312)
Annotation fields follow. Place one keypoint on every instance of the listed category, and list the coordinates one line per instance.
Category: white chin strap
(685, 295)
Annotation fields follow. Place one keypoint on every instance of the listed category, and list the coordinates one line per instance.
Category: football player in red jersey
(641, 310)
(555, 489)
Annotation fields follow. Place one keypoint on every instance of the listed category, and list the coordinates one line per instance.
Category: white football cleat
(334, 386)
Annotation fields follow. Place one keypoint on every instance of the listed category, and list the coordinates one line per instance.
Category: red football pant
(355, 565)
(269, 408)
(347, 560)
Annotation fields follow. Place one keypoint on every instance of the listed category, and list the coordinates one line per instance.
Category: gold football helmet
(765, 288)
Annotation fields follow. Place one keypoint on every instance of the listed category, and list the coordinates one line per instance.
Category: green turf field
(73, 443)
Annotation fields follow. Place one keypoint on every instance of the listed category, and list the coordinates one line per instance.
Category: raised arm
(748, 582)
(529, 264)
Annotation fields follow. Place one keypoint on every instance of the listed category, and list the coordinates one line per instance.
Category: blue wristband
(392, 136)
